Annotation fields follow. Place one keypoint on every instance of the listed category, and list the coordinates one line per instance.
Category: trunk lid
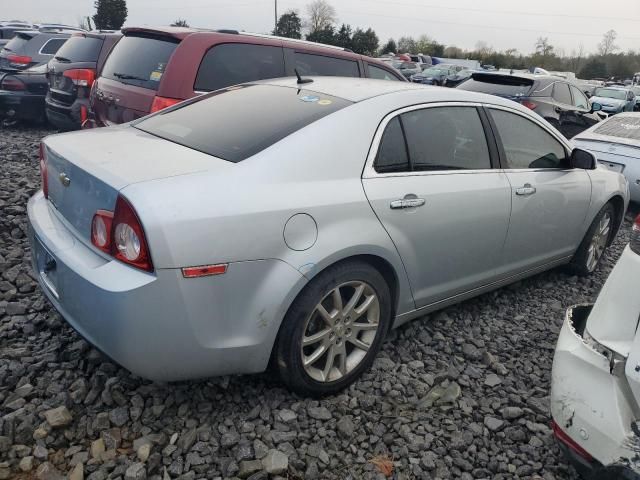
(86, 170)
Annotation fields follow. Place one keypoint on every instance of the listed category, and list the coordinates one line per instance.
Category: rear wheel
(334, 329)
(595, 242)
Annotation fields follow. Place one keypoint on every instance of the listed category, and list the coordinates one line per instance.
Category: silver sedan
(293, 224)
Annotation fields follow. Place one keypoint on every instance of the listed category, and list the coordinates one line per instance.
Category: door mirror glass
(596, 107)
(583, 159)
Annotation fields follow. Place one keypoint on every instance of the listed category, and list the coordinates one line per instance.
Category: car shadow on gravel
(461, 394)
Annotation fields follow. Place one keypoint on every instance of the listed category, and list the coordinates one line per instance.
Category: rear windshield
(17, 43)
(80, 49)
(622, 127)
(139, 61)
(502, 85)
(238, 122)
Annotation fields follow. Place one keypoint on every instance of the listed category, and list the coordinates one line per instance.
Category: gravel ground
(464, 395)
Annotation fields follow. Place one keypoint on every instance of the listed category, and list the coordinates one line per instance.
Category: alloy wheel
(340, 330)
(599, 241)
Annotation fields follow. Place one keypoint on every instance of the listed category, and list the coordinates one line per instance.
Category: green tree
(289, 25)
(181, 22)
(594, 68)
(110, 14)
(365, 42)
(325, 35)
(343, 37)
(389, 47)
(407, 45)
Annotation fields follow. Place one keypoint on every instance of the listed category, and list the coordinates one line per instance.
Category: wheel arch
(619, 209)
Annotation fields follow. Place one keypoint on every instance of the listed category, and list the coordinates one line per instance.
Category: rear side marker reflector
(204, 270)
(562, 437)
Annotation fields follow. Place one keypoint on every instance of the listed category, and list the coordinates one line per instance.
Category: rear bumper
(160, 326)
(591, 405)
(66, 117)
(21, 106)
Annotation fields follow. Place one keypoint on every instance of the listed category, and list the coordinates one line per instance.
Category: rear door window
(139, 61)
(234, 63)
(238, 122)
(80, 49)
(561, 93)
(310, 64)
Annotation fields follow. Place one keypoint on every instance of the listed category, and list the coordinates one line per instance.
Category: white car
(616, 144)
(595, 384)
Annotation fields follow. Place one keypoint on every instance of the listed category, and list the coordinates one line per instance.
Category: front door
(445, 208)
(550, 201)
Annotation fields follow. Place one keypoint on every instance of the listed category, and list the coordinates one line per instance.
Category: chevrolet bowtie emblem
(64, 179)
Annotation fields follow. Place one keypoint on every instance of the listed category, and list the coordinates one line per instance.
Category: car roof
(356, 89)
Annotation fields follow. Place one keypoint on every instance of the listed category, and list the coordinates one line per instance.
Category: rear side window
(502, 85)
(380, 73)
(238, 122)
(446, 138)
(139, 61)
(309, 64)
(234, 63)
(52, 46)
(80, 49)
(561, 93)
(392, 154)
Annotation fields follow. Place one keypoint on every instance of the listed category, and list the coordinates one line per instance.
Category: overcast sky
(501, 23)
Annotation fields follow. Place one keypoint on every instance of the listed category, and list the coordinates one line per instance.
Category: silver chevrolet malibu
(292, 223)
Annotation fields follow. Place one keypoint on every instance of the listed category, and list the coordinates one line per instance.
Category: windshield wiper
(124, 76)
(62, 59)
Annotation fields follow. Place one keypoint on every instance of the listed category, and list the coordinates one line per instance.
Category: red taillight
(204, 270)
(101, 230)
(634, 243)
(12, 84)
(128, 242)
(43, 171)
(19, 60)
(566, 440)
(82, 77)
(529, 104)
(160, 103)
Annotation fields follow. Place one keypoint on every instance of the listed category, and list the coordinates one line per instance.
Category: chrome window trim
(370, 172)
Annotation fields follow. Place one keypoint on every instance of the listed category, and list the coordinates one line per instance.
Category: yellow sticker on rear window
(155, 76)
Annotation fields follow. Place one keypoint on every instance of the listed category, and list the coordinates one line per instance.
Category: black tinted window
(81, 49)
(446, 138)
(498, 85)
(241, 121)
(561, 93)
(308, 64)
(139, 61)
(17, 43)
(234, 63)
(392, 154)
(380, 73)
(527, 145)
(52, 46)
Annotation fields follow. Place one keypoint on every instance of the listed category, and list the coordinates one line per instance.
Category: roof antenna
(301, 80)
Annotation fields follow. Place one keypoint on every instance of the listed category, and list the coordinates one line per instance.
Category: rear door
(431, 183)
(130, 78)
(549, 200)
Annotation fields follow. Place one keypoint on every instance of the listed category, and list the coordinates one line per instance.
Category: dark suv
(559, 102)
(71, 74)
(153, 68)
(30, 48)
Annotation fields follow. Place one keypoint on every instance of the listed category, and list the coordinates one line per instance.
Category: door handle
(526, 189)
(407, 203)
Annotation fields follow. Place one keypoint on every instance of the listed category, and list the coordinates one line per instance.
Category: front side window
(526, 144)
(392, 154)
(579, 99)
(380, 73)
(234, 63)
(309, 64)
(561, 93)
(446, 138)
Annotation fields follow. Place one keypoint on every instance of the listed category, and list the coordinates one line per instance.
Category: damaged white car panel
(595, 385)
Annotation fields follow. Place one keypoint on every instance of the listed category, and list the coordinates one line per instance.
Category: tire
(595, 242)
(331, 331)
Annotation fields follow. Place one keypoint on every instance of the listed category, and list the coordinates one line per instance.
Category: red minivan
(153, 68)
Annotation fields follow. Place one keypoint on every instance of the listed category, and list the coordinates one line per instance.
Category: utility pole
(275, 27)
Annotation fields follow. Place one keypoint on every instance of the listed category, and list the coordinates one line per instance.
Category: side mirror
(582, 159)
(596, 107)
(588, 94)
